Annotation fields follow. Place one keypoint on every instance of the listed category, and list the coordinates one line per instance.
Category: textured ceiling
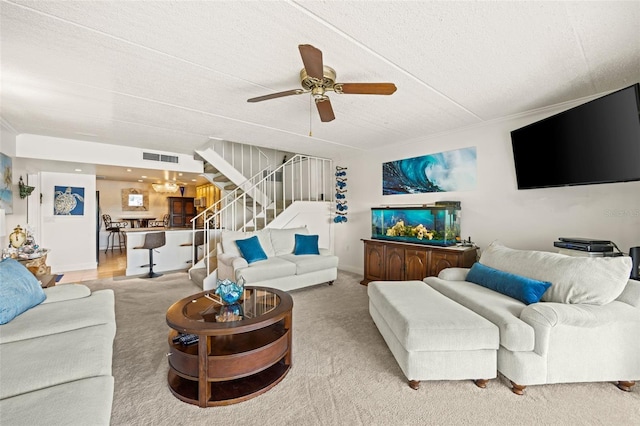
(169, 75)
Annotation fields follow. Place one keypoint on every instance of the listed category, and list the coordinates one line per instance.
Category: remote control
(186, 339)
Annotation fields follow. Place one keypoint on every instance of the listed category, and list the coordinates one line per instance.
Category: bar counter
(173, 256)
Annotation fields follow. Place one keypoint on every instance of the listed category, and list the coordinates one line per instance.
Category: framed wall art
(68, 201)
(6, 193)
(454, 170)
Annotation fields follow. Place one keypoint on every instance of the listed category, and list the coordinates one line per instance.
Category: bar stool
(114, 228)
(198, 240)
(152, 241)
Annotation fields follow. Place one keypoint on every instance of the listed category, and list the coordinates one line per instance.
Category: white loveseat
(57, 357)
(283, 269)
(586, 328)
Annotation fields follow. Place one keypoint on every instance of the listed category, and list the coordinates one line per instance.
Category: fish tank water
(437, 224)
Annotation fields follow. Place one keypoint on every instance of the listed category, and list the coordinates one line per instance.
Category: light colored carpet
(342, 373)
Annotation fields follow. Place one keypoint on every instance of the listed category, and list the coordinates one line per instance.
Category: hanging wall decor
(6, 179)
(454, 170)
(341, 198)
(68, 201)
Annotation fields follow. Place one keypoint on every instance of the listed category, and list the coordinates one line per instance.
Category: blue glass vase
(229, 291)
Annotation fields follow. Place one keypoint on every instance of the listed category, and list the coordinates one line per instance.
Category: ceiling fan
(317, 79)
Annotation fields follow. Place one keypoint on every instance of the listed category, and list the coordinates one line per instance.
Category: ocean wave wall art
(447, 171)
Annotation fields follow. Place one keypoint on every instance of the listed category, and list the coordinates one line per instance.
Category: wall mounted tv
(597, 142)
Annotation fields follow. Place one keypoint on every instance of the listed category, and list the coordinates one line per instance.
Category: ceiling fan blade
(365, 88)
(325, 110)
(277, 95)
(312, 60)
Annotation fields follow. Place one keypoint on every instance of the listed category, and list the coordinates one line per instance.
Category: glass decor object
(229, 291)
(437, 224)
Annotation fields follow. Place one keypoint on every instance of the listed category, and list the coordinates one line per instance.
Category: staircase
(254, 203)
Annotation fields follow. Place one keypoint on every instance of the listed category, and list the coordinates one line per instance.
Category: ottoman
(431, 336)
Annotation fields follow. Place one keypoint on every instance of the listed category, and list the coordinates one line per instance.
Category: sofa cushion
(591, 280)
(283, 240)
(228, 241)
(251, 249)
(19, 290)
(310, 262)
(306, 244)
(62, 404)
(59, 317)
(45, 361)
(503, 311)
(273, 267)
(521, 288)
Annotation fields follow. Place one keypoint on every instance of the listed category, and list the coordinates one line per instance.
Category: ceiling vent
(169, 158)
(160, 157)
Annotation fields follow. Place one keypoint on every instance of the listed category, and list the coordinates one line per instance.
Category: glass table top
(208, 307)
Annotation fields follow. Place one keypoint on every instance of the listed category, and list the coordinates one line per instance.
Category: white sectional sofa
(282, 268)
(57, 357)
(586, 327)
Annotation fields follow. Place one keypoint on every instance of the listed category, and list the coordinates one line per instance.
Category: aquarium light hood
(455, 204)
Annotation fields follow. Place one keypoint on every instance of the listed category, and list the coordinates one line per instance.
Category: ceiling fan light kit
(317, 79)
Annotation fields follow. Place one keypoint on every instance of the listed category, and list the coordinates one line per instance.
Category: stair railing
(301, 178)
(247, 159)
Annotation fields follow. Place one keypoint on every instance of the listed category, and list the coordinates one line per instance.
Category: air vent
(150, 156)
(160, 157)
(169, 158)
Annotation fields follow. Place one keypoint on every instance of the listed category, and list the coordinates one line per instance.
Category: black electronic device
(186, 339)
(583, 240)
(598, 248)
(596, 142)
(634, 252)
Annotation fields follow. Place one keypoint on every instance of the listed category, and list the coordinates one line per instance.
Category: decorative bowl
(229, 291)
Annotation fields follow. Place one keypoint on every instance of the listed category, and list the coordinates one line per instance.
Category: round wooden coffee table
(243, 349)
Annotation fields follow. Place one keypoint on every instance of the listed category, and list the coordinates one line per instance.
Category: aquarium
(437, 225)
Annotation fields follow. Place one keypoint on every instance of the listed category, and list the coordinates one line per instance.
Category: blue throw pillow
(526, 290)
(19, 290)
(251, 249)
(306, 244)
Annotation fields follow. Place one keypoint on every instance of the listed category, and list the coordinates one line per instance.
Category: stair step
(221, 178)
(230, 187)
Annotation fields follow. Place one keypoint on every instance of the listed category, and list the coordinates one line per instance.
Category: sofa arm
(62, 292)
(454, 274)
(631, 294)
(594, 322)
(228, 264)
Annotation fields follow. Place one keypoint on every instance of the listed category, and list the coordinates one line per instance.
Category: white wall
(496, 209)
(72, 239)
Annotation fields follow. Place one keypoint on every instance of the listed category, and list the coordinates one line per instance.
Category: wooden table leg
(204, 390)
(481, 383)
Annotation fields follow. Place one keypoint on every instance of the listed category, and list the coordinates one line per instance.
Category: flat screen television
(597, 142)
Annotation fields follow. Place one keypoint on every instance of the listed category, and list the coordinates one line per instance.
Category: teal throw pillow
(19, 290)
(251, 249)
(526, 290)
(306, 244)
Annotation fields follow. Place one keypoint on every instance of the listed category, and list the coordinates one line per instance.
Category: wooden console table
(395, 261)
